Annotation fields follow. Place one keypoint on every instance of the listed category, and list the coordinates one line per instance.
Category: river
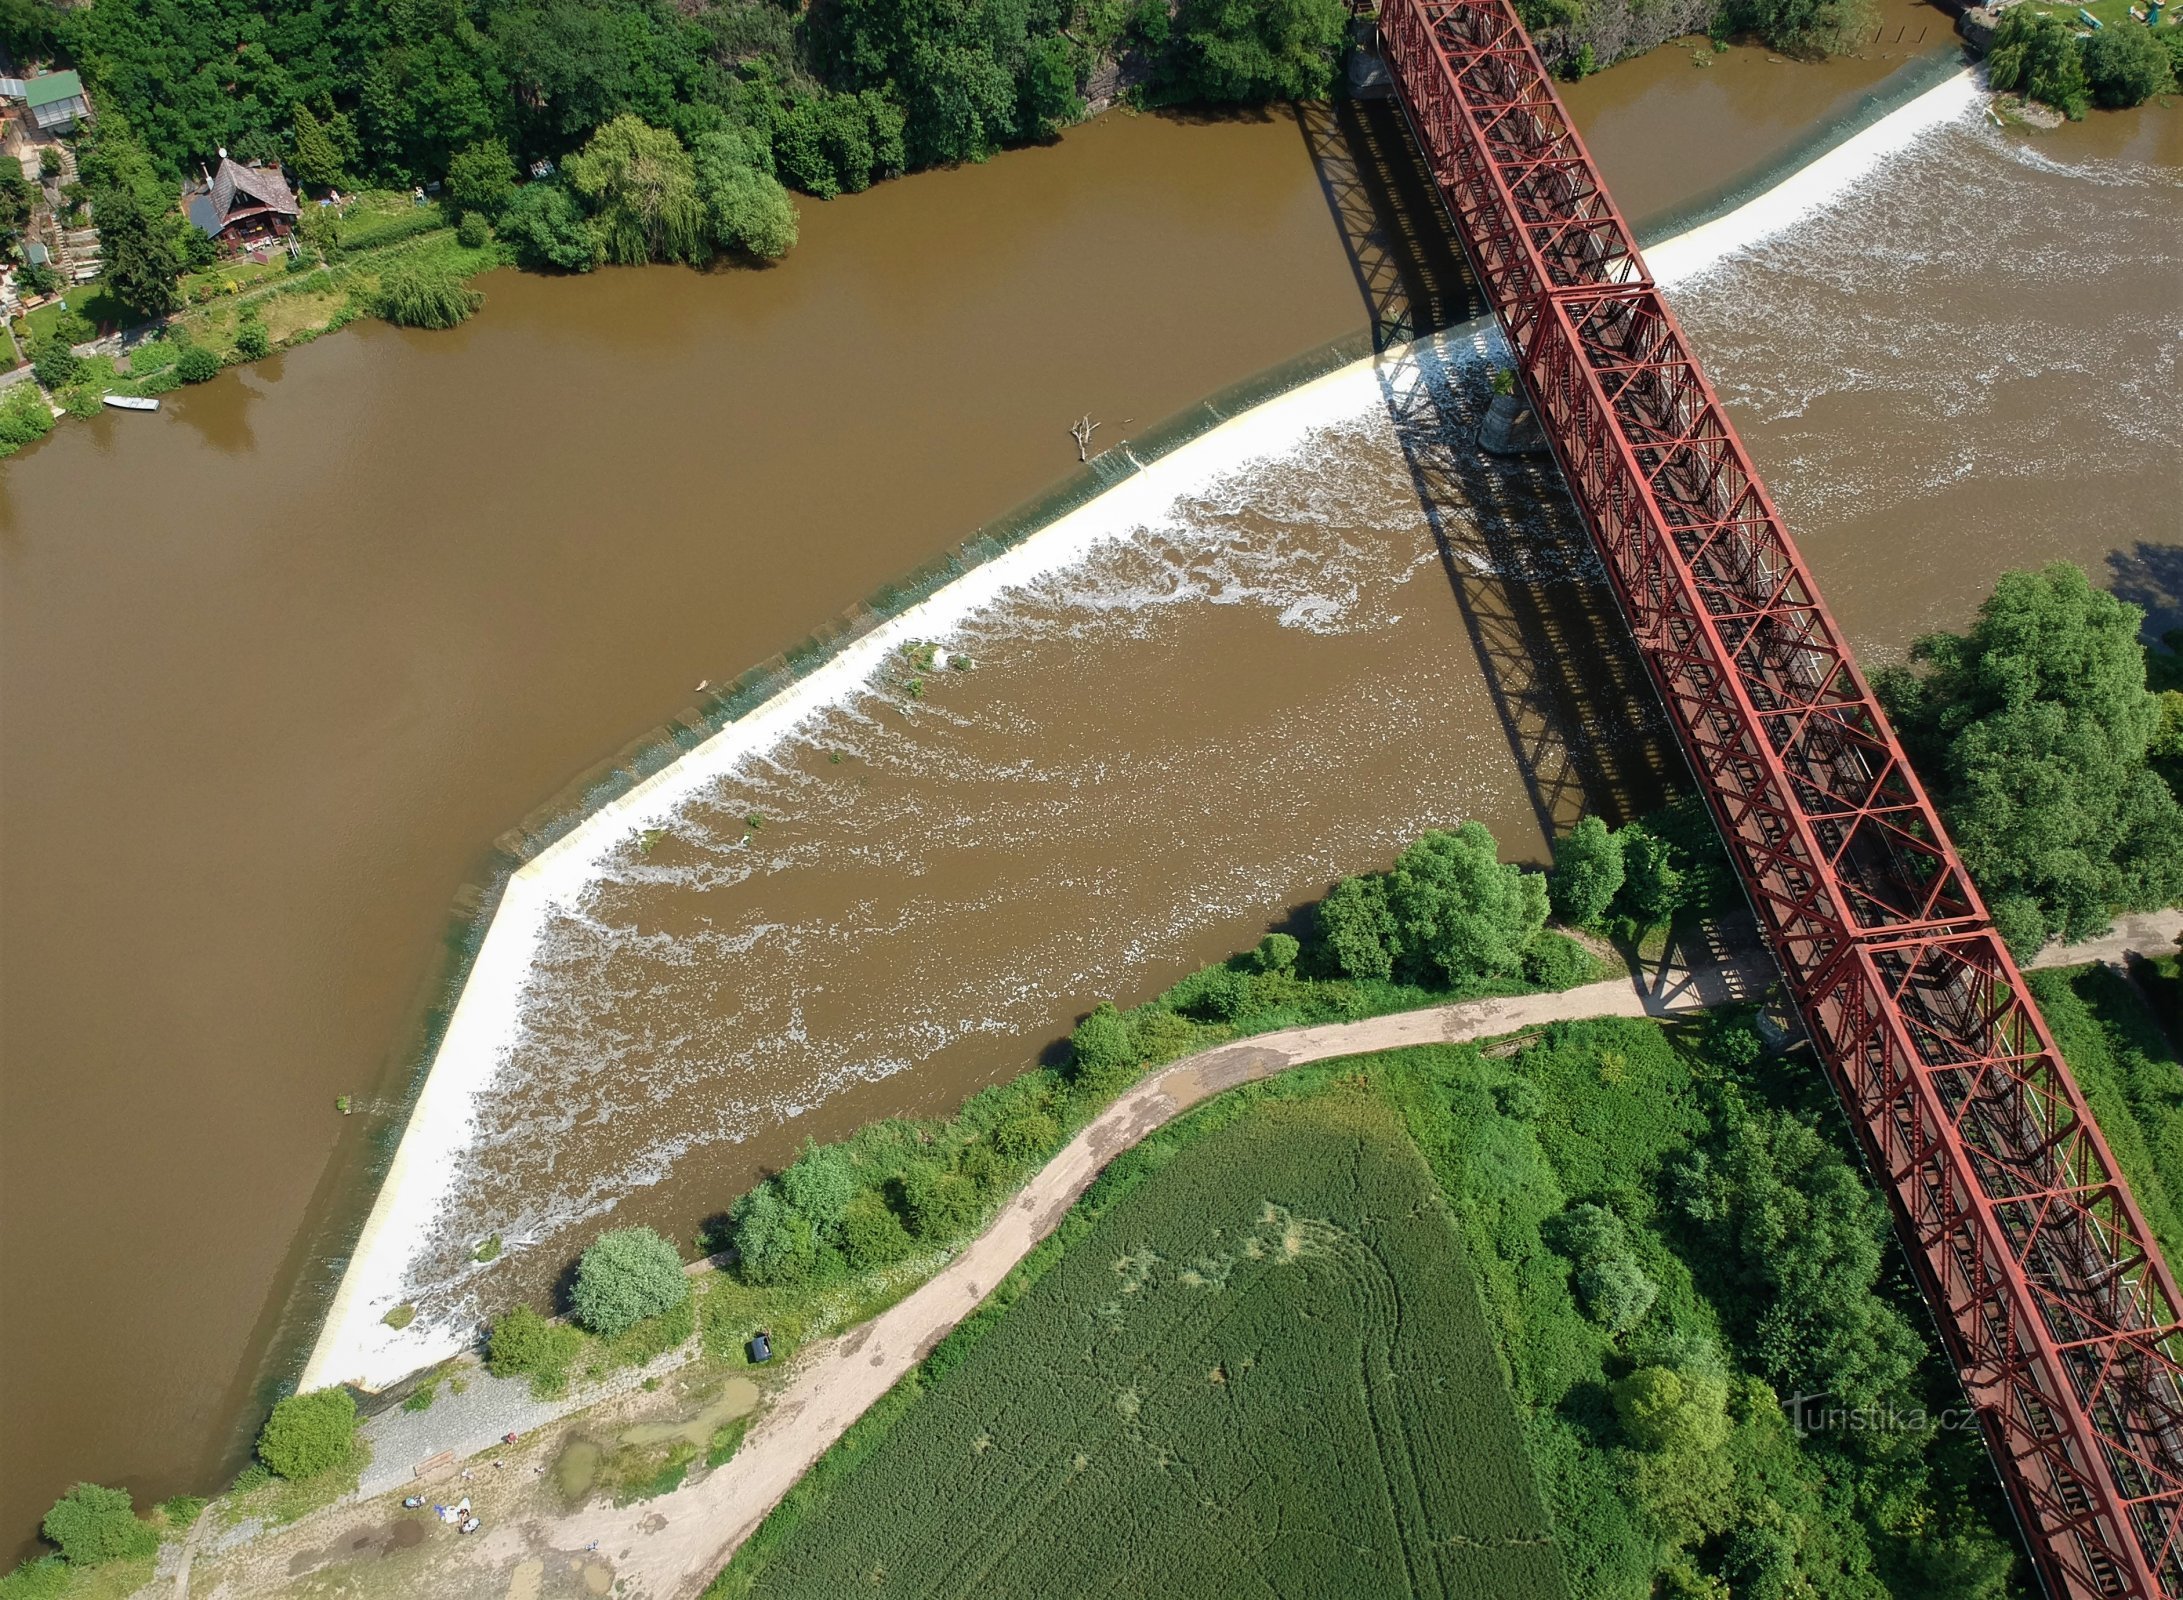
(277, 667)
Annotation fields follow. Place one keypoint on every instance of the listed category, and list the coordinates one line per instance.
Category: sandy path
(669, 1548)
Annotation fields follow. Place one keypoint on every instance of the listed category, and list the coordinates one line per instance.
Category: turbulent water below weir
(1312, 637)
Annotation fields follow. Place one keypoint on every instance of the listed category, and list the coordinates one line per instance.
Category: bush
(1247, 50)
(1356, 930)
(626, 1276)
(2125, 65)
(527, 1345)
(24, 417)
(1587, 873)
(871, 1234)
(94, 1525)
(414, 295)
(309, 1433)
(1461, 911)
(1027, 1137)
(547, 229)
(1555, 961)
(939, 1204)
(2036, 54)
(1662, 1409)
(774, 1242)
(1101, 1056)
(472, 233)
(196, 364)
(1277, 952)
(55, 365)
(252, 343)
(1652, 885)
(481, 179)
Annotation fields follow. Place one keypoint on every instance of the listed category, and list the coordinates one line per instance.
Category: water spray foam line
(547, 861)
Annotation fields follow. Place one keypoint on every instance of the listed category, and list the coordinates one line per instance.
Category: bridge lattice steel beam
(2057, 1308)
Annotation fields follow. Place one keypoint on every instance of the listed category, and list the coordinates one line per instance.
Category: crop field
(1264, 1371)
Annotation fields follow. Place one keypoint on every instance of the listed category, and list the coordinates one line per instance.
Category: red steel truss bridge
(2054, 1301)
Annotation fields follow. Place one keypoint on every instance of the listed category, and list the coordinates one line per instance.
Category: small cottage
(238, 206)
(55, 100)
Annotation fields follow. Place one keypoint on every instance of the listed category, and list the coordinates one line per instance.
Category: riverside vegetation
(1670, 1244)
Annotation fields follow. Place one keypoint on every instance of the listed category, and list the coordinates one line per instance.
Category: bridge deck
(2058, 1310)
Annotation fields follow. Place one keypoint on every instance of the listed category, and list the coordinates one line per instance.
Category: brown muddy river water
(277, 667)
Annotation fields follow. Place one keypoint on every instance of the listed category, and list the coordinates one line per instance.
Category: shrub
(1553, 961)
(24, 416)
(93, 1525)
(1101, 1057)
(1663, 1409)
(309, 1433)
(774, 1242)
(1460, 909)
(196, 364)
(1356, 930)
(1249, 50)
(939, 1204)
(252, 343)
(472, 233)
(400, 1317)
(415, 295)
(2125, 65)
(1587, 873)
(548, 229)
(871, 1234)
(55, 365)
(2037, 55)
(1026, 1137)
(481, 179)
(1277, 952)
(1616, 1291)
(626, 1276)
(525, 1344)
(1652, 885)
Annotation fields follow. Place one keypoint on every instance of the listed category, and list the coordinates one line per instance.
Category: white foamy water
(597, 1044)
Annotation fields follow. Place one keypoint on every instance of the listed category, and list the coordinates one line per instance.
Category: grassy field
(2131, 1076)
(1131, 1426)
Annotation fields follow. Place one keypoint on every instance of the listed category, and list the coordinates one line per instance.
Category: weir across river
(2056, 1306)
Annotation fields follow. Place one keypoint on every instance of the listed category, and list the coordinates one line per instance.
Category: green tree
(93, 1525)
(24, 417)
(524, 1344)
(626, 1276)
(1810, 28)
(1277, 952)
(1614, 1286)
(1052, 73)
(196, 364)
(871, 1234)
(641, 189)
(1662, 1409)
(252, 343)
(939, 1204)
(312, 151)
(1102, 1057)
(2124, 65)
(55, 365)
(746, 209)
(774, 1242)
(2036, 54)
(1248, 50)
(481, 178)
(1587, 873)
(2035, 731)
(1357, 929)
(418, 295)
(1460, 909)
(1652, 884)
(309, 1433)
(547, 228)
(142, 258)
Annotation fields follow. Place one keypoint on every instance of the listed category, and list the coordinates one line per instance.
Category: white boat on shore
(131, 402)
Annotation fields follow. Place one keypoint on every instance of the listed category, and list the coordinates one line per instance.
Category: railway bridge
(2053, 1299)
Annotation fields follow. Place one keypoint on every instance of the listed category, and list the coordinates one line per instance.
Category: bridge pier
(1512, 428)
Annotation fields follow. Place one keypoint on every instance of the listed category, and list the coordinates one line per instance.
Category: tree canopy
(93, 1525)
(627, 1275)
(2034, 730)
(309, 1433)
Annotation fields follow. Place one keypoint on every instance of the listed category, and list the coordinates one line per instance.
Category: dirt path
(669, 1548)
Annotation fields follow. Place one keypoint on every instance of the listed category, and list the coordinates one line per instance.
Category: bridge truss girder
(2056, 1306)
